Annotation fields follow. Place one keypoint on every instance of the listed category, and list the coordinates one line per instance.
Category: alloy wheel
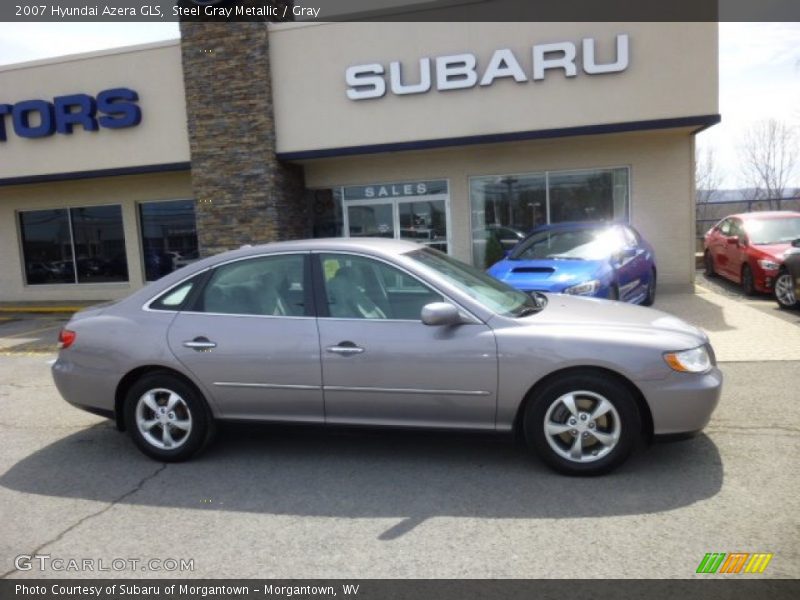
(784, 290)
(582, 426)
(163, 419)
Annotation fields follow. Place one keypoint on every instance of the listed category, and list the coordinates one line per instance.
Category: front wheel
(784, 291)
(166, 417)
(582, 424)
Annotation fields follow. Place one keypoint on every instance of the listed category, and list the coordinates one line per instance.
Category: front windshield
(493, 294)
(574, 244)
(773, 231)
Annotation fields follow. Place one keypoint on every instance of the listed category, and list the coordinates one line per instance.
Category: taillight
(66, 338)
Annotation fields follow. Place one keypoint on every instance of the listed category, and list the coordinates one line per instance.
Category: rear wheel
(748, 284)
(582, 424)
(784, 291)
(167, 418)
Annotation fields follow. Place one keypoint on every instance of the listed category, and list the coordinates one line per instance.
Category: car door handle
(200, 344)
(345, 348)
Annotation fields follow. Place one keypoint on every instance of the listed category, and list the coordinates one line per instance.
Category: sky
(759, 72)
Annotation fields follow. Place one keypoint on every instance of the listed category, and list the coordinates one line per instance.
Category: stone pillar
(244, 194)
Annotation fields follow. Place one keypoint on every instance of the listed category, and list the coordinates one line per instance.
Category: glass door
(424, 222)
(371, 220)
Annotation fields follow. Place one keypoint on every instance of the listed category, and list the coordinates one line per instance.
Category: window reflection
(505, 208)
(73, 245)
(47, 246)
(99, 244)
(169, 236)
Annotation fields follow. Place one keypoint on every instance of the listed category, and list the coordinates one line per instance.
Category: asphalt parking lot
(299, 502)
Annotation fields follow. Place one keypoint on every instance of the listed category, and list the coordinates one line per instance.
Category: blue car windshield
(570, 244)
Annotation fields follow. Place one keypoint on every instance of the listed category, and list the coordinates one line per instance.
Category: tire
(708, 261)
(613, 292)
(651, 290)
(748, 285)
(619, 422)
(784, 291)
(188, 424)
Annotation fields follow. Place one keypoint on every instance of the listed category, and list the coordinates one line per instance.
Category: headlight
(587, 288)
(768, 265)
(695, 360)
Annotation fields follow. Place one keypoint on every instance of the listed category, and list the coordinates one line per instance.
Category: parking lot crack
(136, 488)
(754, 429)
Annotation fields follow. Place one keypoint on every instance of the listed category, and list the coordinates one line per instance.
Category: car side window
(175, 298)
(737, 229)
(265, 286)
(358, 287)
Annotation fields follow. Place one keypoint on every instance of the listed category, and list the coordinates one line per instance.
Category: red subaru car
(749, 248)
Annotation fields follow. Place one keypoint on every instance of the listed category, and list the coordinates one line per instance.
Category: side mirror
(732, 239)
(796, 243)
(440, 313)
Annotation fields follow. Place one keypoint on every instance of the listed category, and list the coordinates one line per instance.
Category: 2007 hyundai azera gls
(385, 333)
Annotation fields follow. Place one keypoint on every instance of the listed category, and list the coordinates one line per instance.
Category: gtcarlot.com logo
(46, 562)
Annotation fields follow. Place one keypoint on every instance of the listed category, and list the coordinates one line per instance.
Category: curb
(40, 309)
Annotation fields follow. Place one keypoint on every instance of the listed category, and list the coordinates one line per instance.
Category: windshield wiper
(564, 257)
(527, 311)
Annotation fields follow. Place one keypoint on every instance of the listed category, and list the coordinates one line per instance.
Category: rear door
(251, 338)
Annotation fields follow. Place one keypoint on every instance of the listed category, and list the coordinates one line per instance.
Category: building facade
(118, 167)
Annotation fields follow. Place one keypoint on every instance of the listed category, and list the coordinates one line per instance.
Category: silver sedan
(383, 333)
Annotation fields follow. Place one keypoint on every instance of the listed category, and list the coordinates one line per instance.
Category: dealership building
(117, 167)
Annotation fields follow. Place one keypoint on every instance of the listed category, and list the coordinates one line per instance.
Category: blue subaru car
(605, 260)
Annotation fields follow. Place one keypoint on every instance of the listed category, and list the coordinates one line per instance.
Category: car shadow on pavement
(366, 474)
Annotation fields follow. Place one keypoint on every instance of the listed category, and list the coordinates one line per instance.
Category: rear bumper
(86, 388)
(682, 403)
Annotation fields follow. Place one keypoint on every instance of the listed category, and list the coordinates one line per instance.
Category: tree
(769, 154)
(707, 178)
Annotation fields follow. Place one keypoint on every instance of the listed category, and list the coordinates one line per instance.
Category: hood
(607, 318)
(547, 274)
(776, 251)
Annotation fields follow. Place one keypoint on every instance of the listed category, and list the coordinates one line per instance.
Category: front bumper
(683, 402)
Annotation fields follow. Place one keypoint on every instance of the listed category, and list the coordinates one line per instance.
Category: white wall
(672, 73)
(153, 71)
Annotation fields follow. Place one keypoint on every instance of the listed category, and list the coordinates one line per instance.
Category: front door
(251, 339)
(381, 365)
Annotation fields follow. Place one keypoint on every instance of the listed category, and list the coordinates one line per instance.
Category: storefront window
(169, 236)
(99, 244)
(74, 245)
(47, 246)
(505, 208)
